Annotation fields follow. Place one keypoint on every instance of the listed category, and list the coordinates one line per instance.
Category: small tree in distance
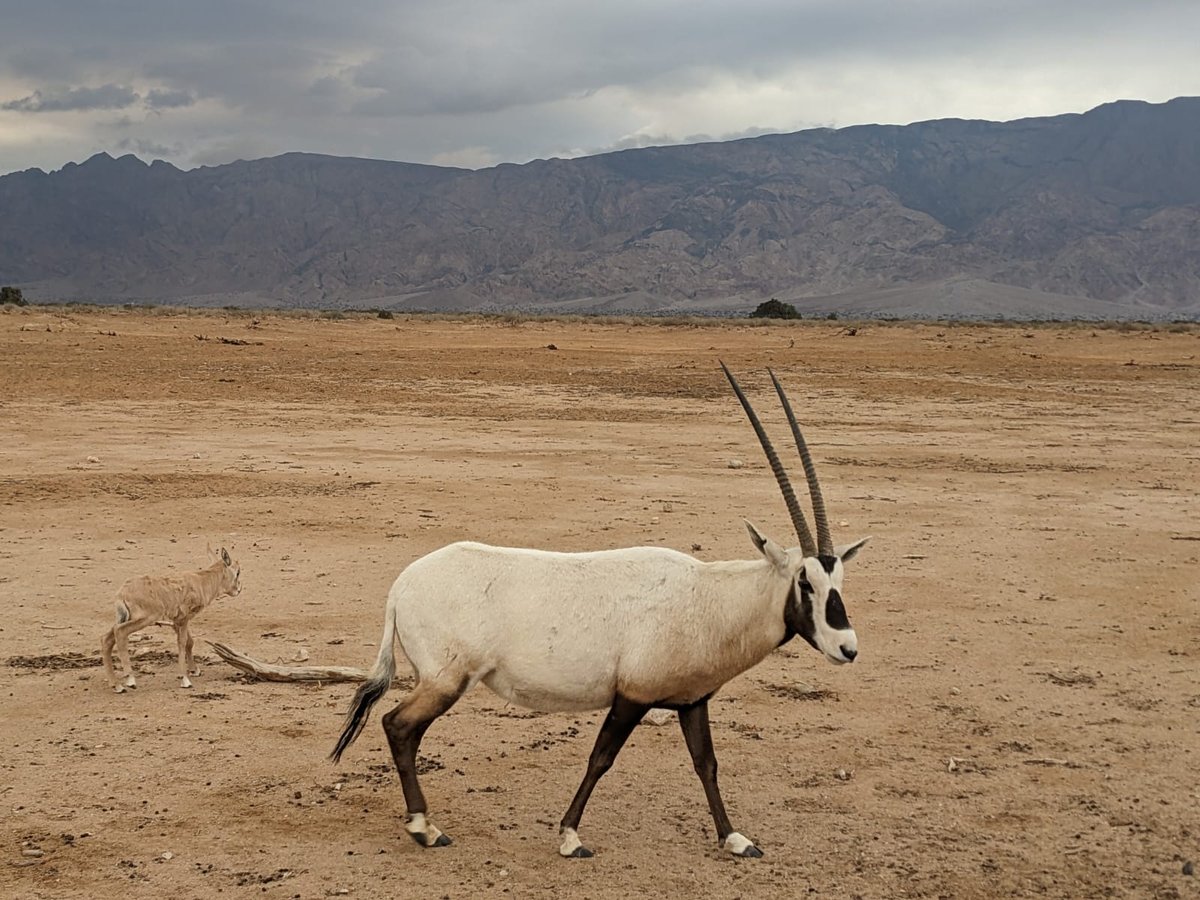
(775, 309)
(12, 295)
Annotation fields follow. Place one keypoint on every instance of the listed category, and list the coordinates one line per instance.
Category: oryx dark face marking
(835, 611)
(798, 616)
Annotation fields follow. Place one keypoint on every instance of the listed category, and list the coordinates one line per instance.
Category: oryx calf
(175, 599)
(630, 630)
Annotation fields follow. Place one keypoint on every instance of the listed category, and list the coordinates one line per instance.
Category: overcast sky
(474, 83)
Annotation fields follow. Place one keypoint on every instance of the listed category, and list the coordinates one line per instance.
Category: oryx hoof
(740, 845)
(187, 682)
(130, 681)
(118, 688)
(425, 834)
(428, 840)
(572, 847)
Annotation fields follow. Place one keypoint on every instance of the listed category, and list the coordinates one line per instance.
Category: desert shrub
(774, 309)
(12, 295)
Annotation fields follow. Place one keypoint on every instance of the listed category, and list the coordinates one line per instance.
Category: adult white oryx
(630, 630)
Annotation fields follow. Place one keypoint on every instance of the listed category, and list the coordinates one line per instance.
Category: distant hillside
(1096, 214)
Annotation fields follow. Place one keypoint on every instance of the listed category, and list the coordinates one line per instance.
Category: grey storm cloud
(159, 99)
(475, 81)
(106, 96)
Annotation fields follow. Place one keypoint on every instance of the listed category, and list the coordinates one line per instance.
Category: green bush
(775, 309)
(12, 295)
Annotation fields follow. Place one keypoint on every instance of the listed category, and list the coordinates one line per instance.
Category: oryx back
(563, 631)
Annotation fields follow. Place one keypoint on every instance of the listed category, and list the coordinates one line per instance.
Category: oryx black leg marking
(622, 718)
(405, 726)
(698, 736)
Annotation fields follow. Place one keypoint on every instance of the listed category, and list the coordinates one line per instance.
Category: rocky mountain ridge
(1094, 214)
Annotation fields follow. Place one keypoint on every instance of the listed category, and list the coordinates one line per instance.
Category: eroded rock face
(1103, 205)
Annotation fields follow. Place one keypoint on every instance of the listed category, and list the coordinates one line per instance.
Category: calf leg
(405, 726)
(184, 638)
(622, 718)
(106, 654)
(698, 736)
(120, 637)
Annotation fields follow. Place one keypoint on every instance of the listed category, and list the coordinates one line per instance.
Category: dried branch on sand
(271, 672)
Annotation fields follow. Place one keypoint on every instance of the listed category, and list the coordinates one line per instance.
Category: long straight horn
(789, 496)
(824, 539)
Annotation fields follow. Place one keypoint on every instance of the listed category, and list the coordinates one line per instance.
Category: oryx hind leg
(622, 718)
(405, 726)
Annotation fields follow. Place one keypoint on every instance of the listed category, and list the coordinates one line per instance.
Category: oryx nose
(848, 653)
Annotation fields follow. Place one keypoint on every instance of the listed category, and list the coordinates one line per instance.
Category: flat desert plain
(1022, 719)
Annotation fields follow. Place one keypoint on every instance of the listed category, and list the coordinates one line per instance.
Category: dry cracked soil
(1022, 719)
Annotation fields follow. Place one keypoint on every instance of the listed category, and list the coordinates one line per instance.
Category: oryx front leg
(405, 726)
(618, 724)
(698, 736)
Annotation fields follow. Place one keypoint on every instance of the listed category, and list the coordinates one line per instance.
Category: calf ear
(225, 557)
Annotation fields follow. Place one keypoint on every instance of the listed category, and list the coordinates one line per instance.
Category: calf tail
(379, 679)
(122, 612)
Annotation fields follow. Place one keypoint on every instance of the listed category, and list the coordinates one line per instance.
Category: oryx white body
(570, 631)
(174, 599)
(629, 629)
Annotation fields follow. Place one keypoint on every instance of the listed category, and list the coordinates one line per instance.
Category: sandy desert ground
(1023, 720)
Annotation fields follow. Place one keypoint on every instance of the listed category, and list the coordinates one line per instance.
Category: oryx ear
(767, 547)
(847, 552)
(225, 557)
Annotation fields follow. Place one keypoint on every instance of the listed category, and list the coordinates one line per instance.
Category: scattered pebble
(1189, 868)
(735, 464)
(32, 852)
(168, 855)
(843, 775)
